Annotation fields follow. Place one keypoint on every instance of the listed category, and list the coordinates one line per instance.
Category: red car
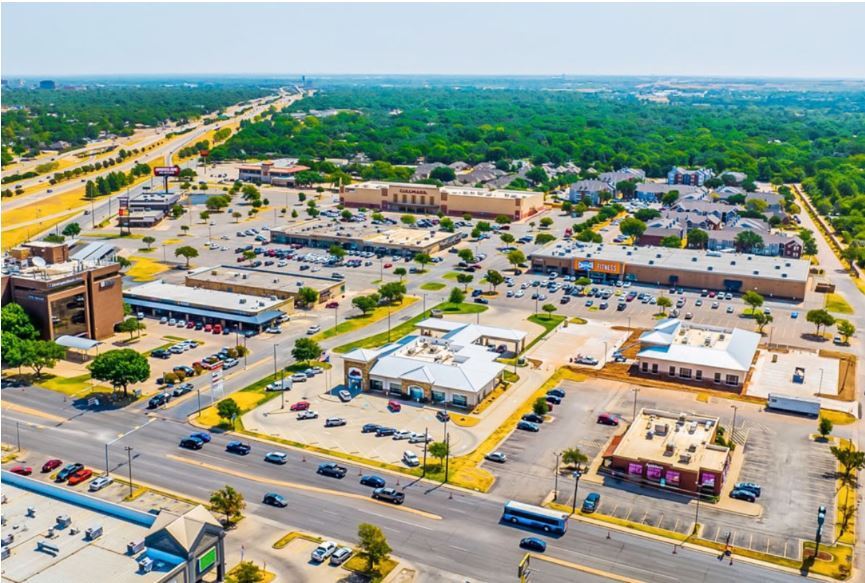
(51, 465)
(332, 305)
(208, 327)
(300, 406)
(79, 477)
(394, 406)
(607, 419)
(22, 470)
(388, 265)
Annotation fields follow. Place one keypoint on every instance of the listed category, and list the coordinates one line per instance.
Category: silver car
(340, 556)
(100, 483)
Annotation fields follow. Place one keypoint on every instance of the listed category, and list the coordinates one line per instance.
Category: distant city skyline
(649, 39)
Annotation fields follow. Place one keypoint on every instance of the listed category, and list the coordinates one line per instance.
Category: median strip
(585, 569)
(33, 412)
(302, 487)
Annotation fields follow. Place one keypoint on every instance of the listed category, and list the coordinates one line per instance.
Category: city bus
(551, 521)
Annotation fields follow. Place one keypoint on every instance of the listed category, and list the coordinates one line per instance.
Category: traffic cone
(451, 495)
(674, 549)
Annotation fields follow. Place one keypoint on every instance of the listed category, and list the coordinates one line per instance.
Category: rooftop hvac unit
(661, 428)
(692, 447)
(692, 427)
(245, 276)
(94, 532)
(242, 300)
(649, 434)
(720, 337)
(685, 458)
(669, 449)
(63, 521)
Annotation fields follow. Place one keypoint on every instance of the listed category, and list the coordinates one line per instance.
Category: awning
(77, 342)
(259, 319)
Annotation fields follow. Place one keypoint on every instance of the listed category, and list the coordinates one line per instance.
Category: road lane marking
(303, 487)
(585, 569)
(33, 412)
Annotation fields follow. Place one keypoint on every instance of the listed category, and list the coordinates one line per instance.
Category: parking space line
(303, 487)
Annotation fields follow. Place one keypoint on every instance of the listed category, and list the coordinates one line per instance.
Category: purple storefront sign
(636, 469)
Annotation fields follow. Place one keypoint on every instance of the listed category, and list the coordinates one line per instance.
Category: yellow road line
(303, 487)
(585, 569)
(34, 412)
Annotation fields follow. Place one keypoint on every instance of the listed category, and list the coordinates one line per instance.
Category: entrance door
(415, 393)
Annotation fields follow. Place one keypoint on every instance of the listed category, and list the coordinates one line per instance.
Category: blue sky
(778, 40)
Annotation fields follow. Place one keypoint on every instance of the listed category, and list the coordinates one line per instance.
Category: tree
(121, 368)
(669, 198)
(447, 224)
(748, 241)
(373, 544)
(39, 354)
(422, 259)
(204, 216)
(246, 572)
(148, 240)
(672, 242)
(407, 220)
(846, 329)
(131, 325)
(365, 303)
(443, 173)
(438, 449)
(392, 292)
(698, 239)
(567, 207)
(851, 461)
(507, 238)
(306, 349)
(540, 406)
(186, 251)
(177, 211)
(574, 457)
(457, 296)
(632, 227)
(476, 233)
(72, 230)
(248, 255)
(494, 278)
(664, 302)
(466, 255)
(753, 299)
(544, 238)
(647, 214)
(762, 319)
(237, 216)
(537, 175)
(228, 501)
(516, 257)
(229, 410)
(307, 296)
(465, 279)
(825, 427)
(14, 320)
(549, 309)
(346, 215)
(820, 318)
(546, 222)
(401, 272)
(583, 281)
(337, 251)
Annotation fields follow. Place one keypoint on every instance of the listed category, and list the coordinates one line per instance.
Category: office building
(269, 173)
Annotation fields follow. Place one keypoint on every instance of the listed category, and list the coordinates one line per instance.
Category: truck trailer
(802, 405)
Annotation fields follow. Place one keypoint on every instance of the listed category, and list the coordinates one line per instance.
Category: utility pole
(425, 440)
(733, 431)
(577, 475)
(636, 391)
(447, 455)
(18, 434)
(388, 324)
(556, 487)
(274, 360)
(129, 456)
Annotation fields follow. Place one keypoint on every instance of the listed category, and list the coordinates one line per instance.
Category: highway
(448, 530)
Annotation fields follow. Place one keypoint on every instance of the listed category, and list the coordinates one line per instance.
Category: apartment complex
(450, 200)
(689, 176)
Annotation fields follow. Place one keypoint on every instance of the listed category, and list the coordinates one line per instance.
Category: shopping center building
(450, 200)
(780, 277)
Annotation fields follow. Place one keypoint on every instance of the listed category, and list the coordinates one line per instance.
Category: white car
(519, 294)
(410, 459)
(402, 435)
(323, 551)
(100, 483)
(313, 329)
(420, 438)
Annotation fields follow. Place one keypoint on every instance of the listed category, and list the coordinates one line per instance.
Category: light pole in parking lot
(274, 359)
(558, 455)
(636, 391)
(735, 409)
(425, 441)
(129, 461)
(577, 475)
(820, 385)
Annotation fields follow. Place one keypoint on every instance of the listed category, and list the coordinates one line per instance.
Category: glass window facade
(69, 315)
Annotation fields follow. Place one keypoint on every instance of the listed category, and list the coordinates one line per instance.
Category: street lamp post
(556, 487)
(129, 461)
(636, 391)
(447, 455)
(425, 440)
(577, 475)
(733, 431)
(18, 434)
(274, 360)
(820, 386)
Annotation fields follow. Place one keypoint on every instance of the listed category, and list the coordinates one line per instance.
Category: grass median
(352, 323)
(837, 303)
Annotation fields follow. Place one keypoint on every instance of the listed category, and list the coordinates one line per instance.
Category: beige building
(451, 200)
(264, 283)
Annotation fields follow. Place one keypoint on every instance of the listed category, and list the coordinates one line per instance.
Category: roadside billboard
(166, 171)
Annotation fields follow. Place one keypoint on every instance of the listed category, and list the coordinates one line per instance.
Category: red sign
(204, 153)
(166, 171)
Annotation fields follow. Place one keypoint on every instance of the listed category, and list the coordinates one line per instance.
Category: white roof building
(701, 353)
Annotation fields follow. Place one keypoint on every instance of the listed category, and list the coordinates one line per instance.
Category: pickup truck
(333, 470)
(388, 495)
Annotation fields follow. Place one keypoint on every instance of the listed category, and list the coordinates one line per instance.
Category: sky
(727, 40)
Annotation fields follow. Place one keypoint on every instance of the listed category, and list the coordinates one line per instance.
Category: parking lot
(775, 447)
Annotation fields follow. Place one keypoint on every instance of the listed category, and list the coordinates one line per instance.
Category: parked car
(402, 435)
(533, 543)
(238, 447)
(99, 483)
(443, 416)
(590, 504)
(160, 353)
(70, 469)
(370, 428)
(298, 377)
(22, 470)
(51, 465)
(385, 431)
(372, 480)
(608, 419)
(276, 457)
(497, 456)
(553, 399)
(191, 443)
(755, 489)
(745, 495)
(333, 470)
(314, 329)
(344, 396)
(79, 476)
(557, 392)
(299, 406)
(528, 426)
(394, 407)
(389, 495)
(533, 418)
(274, 499)
(334, 422)
(323, 551)
(420, 438)
(340, 556)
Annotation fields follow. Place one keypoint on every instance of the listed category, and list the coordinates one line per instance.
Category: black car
(370, 428)
(443, 416)
(374, 481)
(191, 443)
(384, 431)
(238, 447)
(533, 418)
(553, 399)
(63, 474)
(557, 392)
(160, 353)
(158, 400)
(533, 544)
(745, 495)
(333, 470)
(272, 499)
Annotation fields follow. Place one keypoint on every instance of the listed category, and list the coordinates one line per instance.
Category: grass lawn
(145, 268)
(397, 332)
(170, 242)
(433, 286)
(267, 576)
(359, 321)
(357, 564)
(247, 399)
(452, 275)
(283, 542)
(836, 303)
(548, 321)
(72, 385)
